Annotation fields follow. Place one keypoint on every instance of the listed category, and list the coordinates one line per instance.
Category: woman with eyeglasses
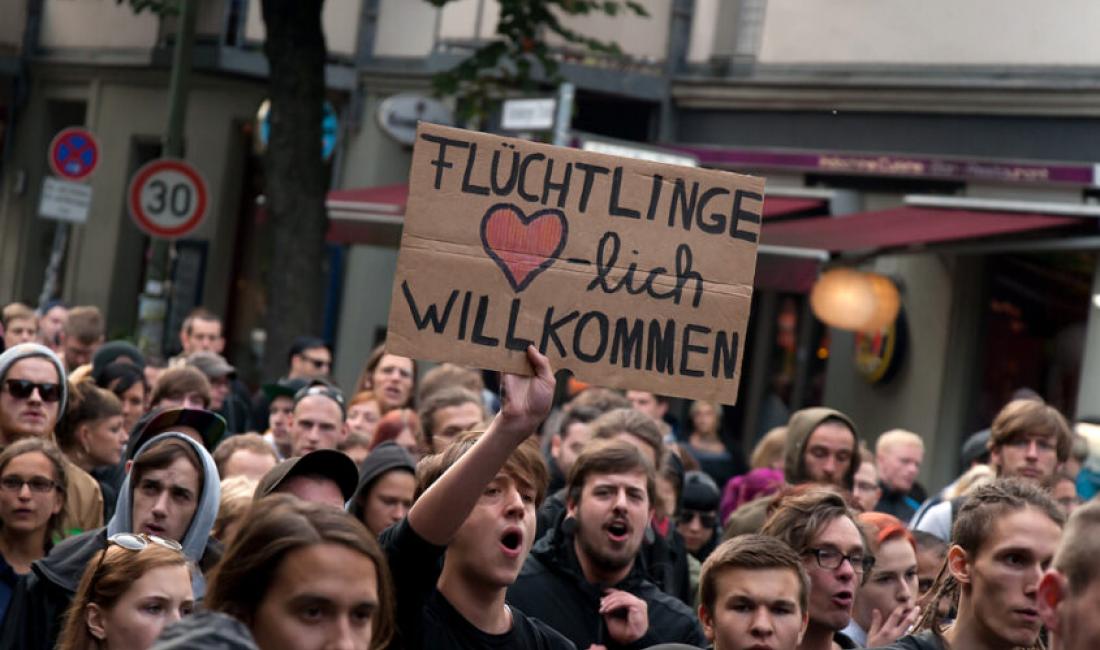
(131, 591)
(92, 434)
(32, 498)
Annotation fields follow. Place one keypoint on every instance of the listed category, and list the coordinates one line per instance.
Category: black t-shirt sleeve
(415, 566)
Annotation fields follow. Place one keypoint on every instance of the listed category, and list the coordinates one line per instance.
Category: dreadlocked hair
(971, 531)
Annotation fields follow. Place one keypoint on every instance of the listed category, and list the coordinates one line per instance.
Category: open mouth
(842, 599)
(511, 542)
(618, 531)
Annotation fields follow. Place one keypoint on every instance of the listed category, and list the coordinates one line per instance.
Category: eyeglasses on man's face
(831, 559)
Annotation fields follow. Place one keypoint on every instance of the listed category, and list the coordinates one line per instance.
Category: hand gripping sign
(632, 274)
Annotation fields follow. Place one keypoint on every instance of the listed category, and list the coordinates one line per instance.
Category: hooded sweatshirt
(750, 517)
(37, 610)
(383, 458)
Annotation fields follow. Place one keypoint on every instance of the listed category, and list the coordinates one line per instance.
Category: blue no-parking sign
(74, 153)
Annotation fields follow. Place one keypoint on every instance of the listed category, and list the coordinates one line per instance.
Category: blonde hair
(236, 499)
(770, 449)
(972, 479)
(895, 437)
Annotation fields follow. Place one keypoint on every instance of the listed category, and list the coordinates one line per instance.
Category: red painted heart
(523, 245)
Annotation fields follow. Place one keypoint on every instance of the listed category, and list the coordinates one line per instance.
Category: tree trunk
(296, 178)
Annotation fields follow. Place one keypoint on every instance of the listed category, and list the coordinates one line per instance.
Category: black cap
(975, 449)
(117, 351)
(284, 388)
(210, 426)
(700, 492)
(329, 463)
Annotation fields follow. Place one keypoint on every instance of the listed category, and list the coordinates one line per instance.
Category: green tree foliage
(519, 58)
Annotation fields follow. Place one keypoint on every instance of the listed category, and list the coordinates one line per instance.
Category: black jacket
(902, 505)
(36, 614)
(552, 588)
(663, 559)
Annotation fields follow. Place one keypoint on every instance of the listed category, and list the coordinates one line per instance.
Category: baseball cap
(211, 364)
(284, 388)
(210, 426)
(115, 351)
(329, 463)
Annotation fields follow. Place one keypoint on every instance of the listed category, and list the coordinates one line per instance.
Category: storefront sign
(630, 273)
(998, 171)
(528, 114)
(878, 355)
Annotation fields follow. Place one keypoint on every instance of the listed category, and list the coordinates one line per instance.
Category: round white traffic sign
(167, 198)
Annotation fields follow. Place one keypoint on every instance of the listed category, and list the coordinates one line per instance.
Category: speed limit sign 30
(167, 198)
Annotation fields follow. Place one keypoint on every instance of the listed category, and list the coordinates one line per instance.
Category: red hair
(882, 528)
(393, 423)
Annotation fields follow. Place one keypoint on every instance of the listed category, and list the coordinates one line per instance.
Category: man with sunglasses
(310, 358)
(33, 393)
(171, 490)
(319, 418)
(817, 523)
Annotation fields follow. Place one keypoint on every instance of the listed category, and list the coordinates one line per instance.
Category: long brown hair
(972, 530)
(365, 381)
(109, 575)
(274, 527)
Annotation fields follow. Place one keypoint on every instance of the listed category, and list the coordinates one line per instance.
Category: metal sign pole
(563, 119)
(53, 268)
(153, 303)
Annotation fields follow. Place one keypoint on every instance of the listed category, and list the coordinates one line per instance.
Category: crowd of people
(168, 506)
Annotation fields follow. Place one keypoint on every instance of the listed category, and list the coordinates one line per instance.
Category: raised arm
(439, 512)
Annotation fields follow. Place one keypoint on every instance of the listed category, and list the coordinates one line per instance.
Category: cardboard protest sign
(632, 274)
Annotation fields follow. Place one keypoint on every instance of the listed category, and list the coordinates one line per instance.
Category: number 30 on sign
(167, 198)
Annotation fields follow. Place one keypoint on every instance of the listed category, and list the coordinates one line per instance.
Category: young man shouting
(477, 513)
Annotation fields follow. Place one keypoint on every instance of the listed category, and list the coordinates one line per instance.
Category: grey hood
(194, 542)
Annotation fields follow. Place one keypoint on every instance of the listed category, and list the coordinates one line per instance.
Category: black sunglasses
(22, 389)
(317, 363)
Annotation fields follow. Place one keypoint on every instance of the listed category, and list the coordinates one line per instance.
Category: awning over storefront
(903, 227)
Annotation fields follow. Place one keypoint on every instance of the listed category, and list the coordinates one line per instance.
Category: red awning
(905, 226)
(784, 206)
(387, 198)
